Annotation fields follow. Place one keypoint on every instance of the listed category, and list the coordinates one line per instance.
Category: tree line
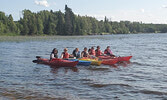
(67, 23)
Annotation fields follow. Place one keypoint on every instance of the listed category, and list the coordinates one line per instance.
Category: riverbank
(43, 37)
(18, 38)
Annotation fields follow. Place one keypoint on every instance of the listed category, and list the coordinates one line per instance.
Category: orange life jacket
(92, 52)
(98, 53)
(65, 55)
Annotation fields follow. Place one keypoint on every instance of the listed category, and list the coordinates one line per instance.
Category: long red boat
(56, 62)
(120, 59)
(109, 61)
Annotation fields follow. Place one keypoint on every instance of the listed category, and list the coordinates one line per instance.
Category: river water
(143, 78)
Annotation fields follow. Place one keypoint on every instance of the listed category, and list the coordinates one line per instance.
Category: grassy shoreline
(18, 38)
(44, 35)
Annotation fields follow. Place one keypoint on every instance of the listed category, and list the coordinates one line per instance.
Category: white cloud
(42, 3)
(142, 10)
(164, 6)
(139, 15)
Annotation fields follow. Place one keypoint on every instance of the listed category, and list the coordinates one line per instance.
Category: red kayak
(120, 59)
(105, 57)
(109, 61)
(127, 58)
(56, 62)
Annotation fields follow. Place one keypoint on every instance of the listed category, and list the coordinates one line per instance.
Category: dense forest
(67, 23)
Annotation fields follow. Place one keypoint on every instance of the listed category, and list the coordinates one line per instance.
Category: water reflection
(55, 70)
(124, 63)
(114, 66)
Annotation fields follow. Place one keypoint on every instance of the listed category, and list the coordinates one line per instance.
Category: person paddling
(65, 54)
(76, 53)
(92, 51)
(54, 54)
(84, 53)
(108, 52)
(98, 51)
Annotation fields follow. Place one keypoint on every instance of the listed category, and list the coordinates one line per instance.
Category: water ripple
(144, 77)
(153, 92)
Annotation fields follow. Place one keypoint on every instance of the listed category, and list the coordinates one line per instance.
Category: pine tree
(69, 21)
(61, 23)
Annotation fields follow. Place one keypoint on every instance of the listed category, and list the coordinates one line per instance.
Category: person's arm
(88, 55)
(52, 56)
(62, 56)
(111, 54)
(102, 53)
(81, 54)
(71, 55)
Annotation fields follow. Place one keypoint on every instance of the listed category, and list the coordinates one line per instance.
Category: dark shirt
(52, 55)
(85, 54)
(108, 52)
(76, 54)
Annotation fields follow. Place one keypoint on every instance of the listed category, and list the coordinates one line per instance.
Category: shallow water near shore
(143, 78)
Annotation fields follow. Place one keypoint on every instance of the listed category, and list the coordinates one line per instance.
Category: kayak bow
(120, 59)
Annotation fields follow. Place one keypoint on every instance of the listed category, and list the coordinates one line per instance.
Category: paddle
(38, 57)
(37, 61)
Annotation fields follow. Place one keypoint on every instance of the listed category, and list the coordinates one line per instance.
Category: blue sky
(147, 11)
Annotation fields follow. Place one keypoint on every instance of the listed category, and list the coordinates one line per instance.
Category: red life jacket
(92, 52)
(98, 53)
(65, 55)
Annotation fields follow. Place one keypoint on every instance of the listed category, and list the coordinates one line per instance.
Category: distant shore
(43, 35)
(18, 38)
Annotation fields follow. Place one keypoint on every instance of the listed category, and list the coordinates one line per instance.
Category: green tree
(69, 21)
(11, 24)
(40, 26)
(2, 27)
(61, 23)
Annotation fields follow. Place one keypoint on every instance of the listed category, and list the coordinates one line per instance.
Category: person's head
(77, 49)
(92, 48)
(108, 47)
(55, 51)
(85, 49)
(65, 49)
(98, 47)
